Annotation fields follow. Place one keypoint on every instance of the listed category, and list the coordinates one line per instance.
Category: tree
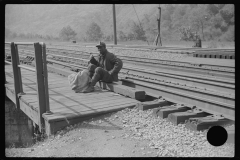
(121, 36)
(138, 32)
(212, 9)
(94, 32)
(131, 36)
(199, 18)
(67, 33)
(187, 34)
(227, 13)
(177, 17)
(230, 34)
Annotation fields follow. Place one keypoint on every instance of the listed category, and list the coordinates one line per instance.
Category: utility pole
(158, 41)
(159, 22)
(114, 25)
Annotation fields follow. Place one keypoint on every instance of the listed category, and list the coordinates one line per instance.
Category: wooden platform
(67, 107)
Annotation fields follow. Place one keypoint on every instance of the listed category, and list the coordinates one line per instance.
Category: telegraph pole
(159, 41)
(114, 25)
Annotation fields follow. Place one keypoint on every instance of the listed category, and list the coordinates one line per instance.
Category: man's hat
(101, 44)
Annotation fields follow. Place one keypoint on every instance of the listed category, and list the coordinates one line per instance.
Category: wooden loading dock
(50, 103)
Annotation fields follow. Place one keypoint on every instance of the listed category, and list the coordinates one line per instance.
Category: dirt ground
(126, 133)
(103, 136)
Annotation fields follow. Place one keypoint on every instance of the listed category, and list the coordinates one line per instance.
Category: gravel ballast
(171, 140)
(163, 55)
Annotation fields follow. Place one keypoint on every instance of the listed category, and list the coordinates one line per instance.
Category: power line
(139, 20)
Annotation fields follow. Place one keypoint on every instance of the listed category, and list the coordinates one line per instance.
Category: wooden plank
(45, 72)
(58, 85)
(85, 97)
(124, 90)
(80, 109)
(16, 73)
(78, 98)
(58, 117)
(68, 90)
(31, 113)
(29, 98)
(152, 104)
(87, 104)
(26, 91)
(62, 71)
(25, 73)
(10, 95)
(40, 83)
(60, 89)
(62, 105)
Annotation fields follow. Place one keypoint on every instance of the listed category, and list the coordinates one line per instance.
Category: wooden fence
(41, 76)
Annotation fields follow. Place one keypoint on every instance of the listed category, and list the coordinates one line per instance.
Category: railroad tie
(163, 112)
(123, 90)
(181, 117)
(202, 123)
(152, 104)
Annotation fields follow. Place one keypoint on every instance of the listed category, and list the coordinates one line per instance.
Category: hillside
(50, 19)
(210, 21)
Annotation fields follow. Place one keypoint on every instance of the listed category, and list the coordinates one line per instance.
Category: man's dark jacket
(108, 62)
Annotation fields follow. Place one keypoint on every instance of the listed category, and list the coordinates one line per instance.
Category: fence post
(19, 70)
(45, 72)
(16, 73)
(40, 83)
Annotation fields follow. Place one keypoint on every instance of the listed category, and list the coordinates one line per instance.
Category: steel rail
(211, 72)
(194, 69)
(222, 97)
(205, 103)
(206, 83)
(158, 71)
(201, 71)
(165, 62)
(56, 62)
(226, 69)
(174, 73)
(147, 47)
(200, 83)
(21, 43)
(167, 49)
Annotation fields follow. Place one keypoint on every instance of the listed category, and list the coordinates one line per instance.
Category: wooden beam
(123, 90)
(45, 74)
(16, 73)
(40, 83)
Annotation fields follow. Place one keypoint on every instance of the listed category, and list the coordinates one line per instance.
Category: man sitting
(107, 67)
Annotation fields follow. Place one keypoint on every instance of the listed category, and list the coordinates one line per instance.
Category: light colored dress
(79, 81)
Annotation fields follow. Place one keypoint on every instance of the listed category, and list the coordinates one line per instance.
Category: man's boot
(91, 85)
(90, 88)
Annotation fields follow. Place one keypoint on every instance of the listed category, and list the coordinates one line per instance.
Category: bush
(212, 44)
(94, 32)
(67, 33)
(229, 35)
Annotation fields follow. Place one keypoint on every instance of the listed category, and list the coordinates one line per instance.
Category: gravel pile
(149, 54)
(133, 52)
(168, 139)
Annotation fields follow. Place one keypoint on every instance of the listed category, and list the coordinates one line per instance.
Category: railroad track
(224, 72)
(211, 101)
(208, 69)
(209, 83)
